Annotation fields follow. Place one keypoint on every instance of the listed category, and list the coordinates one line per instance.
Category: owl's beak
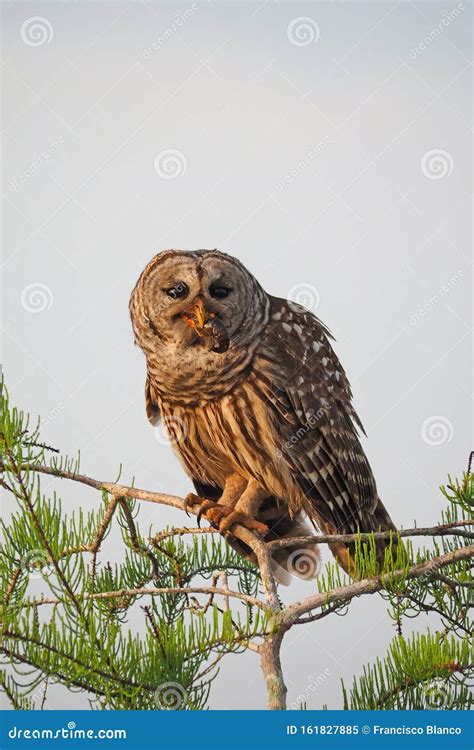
(197, 317)
(204, 323)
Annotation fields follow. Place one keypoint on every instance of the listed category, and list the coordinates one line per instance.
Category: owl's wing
(152, 408)
(317, 426)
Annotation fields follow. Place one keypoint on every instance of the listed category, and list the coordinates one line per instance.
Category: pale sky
(338, 162)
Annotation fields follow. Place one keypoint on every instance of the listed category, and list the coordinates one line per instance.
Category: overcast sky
(330, 154)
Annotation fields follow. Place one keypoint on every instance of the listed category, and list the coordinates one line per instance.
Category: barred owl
(256, 404)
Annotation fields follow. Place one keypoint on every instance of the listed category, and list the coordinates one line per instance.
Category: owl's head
(197, 302)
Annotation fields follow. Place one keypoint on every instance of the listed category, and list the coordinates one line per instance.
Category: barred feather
(275, 408)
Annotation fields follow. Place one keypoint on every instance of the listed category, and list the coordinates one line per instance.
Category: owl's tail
(300, 560)
(365, 521)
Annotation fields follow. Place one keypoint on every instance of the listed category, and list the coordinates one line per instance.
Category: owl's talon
(199, 516)
(191, 499)
(206, 506)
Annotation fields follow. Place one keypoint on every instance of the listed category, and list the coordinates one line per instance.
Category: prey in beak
(207, 326)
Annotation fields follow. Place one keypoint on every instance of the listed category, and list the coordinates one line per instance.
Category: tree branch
(370, 585)
(143, 591)
(282, 618)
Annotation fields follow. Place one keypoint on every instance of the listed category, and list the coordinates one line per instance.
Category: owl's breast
(231, 434)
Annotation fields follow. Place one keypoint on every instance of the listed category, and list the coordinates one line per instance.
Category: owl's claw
(191, 499)
(222, 517)
(204, 505)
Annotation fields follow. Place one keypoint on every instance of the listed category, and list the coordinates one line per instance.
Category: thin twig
(447, 529)
(125, 593)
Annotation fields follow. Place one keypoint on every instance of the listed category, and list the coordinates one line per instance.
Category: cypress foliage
(434, 669)
(150, 631)
(123, 651)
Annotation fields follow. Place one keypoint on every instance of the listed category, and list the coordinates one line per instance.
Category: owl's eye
(177, 292)
(219, 292)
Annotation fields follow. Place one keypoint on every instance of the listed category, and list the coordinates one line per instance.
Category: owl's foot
(224, 517)
(204, 505)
